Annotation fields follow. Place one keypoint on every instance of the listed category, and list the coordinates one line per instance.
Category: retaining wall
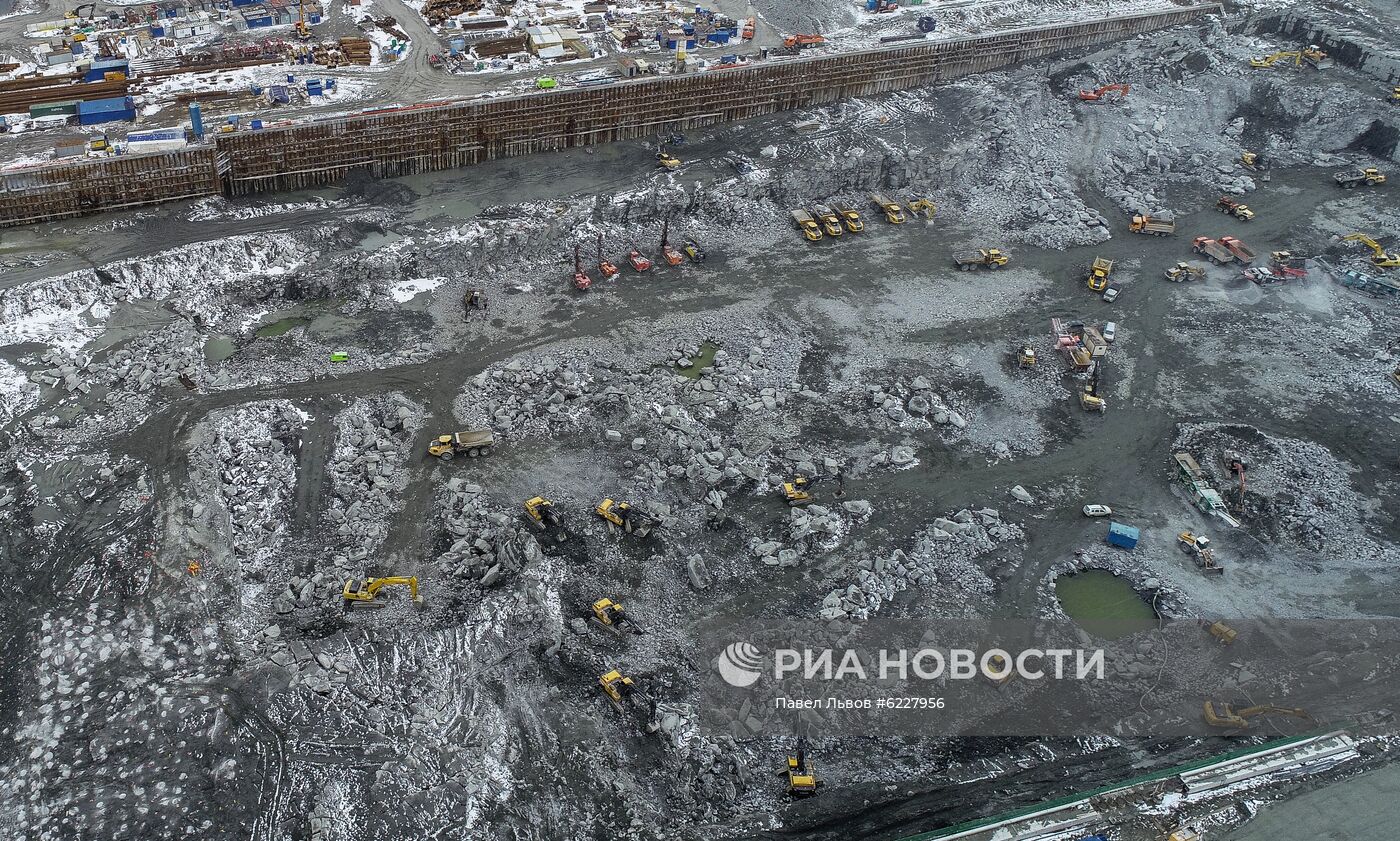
(437, 136)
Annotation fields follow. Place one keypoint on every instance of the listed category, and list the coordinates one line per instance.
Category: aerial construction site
(550, 420)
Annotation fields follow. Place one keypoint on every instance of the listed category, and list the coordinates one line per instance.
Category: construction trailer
(1123, 536)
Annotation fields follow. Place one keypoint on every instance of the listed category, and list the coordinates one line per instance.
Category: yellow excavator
(924, 206)
(1379, 257)
(624, 695)
(1294, 56)
(665, 160)
(796, 492)
(1227, 717)
(540, 512)
(801, 776)
(626, 517)
(614, 617)
(363, 593)
(1222, 632)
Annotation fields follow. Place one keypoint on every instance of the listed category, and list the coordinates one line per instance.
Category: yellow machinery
(472, 443)
(614, 617)
(801, 776)
(1025, 357)
(894, 214)
(1316, 57)
(831, 223)
(924, 206)
(624, 695)
(1222, 632)
(1144, 224)
(626, 517)
(1359, 177)
(807, 225)
(665, 160)
(541, 513)
(1379, 257)
(991, 258)
(303, 33)
(1395, 375)
(1089, 398)
(1295, 56)
(364, 592)
(1098, 274)
(851, 218)
(1184, 272)
(1199, 547)
(796, 492)
(1227, 717)
(1395, 96)
(1251, 160)
(1185, 833)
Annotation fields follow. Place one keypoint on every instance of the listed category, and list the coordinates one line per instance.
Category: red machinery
(802, 42)
(1094, 96)
(638, 262)
(581, 279)
(606, 267)
(671, 255)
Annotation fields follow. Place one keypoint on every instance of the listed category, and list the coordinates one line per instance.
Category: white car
(1110, 330)
(1097, 511)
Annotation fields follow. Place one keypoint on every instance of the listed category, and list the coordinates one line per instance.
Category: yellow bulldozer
(1222, 632)
(1228, 717)
(364, 593)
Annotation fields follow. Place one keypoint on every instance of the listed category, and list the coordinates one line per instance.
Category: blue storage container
(103, 66)
(76, 48)
(1122, 536)
(256, 125)
(313, 18)
(96, 111)
(330, 84)
(157, 31)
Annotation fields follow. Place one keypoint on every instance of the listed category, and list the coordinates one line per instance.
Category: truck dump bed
(474, 438)
(1215, 251)
(1241, 252)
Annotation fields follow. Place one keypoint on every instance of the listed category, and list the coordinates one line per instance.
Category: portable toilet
(1122, 536)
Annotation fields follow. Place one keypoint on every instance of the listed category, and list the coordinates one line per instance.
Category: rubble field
(214, 415)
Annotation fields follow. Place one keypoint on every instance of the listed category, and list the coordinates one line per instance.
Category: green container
(339, 356)
(54, 109)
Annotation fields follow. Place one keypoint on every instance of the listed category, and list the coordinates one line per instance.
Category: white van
(1110, 330)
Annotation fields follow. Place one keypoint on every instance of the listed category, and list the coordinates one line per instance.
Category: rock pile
(945, 556)
(248, 451)
(372, 441)
(487, 546)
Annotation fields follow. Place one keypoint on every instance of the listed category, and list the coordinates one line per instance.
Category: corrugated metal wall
(444, 136)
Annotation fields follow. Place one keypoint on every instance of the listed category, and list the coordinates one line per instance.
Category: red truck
(1242, 252)
(1212, 250)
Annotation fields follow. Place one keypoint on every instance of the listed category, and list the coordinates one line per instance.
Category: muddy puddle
(700, 361)
(1104, 604)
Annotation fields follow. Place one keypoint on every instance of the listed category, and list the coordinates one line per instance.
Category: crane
(1379, 257)
(303, 33)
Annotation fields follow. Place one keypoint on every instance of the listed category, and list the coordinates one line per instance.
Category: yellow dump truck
(894, 214)
(807, 225)
(991, 258)
(1099, 272)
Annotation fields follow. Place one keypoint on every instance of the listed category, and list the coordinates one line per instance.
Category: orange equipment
(1094, 96)
(607, 267)
(802, 42)
(671, 255)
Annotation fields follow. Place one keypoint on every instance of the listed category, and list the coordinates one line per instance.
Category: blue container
(257, 125)
(255, 90)
(291, 80)
(76, 48)
(196, 121)
(1123, 536)
(330, 84)
(688, 28)
(720, 37)
(172, 13)
(729, 59)
(95, 111)
(871, 4)
(157, 31)
(103, 66)
(928, 23)
(313, 18)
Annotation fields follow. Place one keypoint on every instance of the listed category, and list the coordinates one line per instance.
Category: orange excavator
(606, 267)
(1103, 93)
(581, 279)
(671, 255)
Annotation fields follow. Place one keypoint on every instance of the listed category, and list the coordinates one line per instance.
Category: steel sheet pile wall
(424, 138)
(89, 186)
(443, 136)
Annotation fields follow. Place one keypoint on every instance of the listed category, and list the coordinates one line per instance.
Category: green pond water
(1104, 604)
(699, 362)
(219, 348)
(282, 325)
